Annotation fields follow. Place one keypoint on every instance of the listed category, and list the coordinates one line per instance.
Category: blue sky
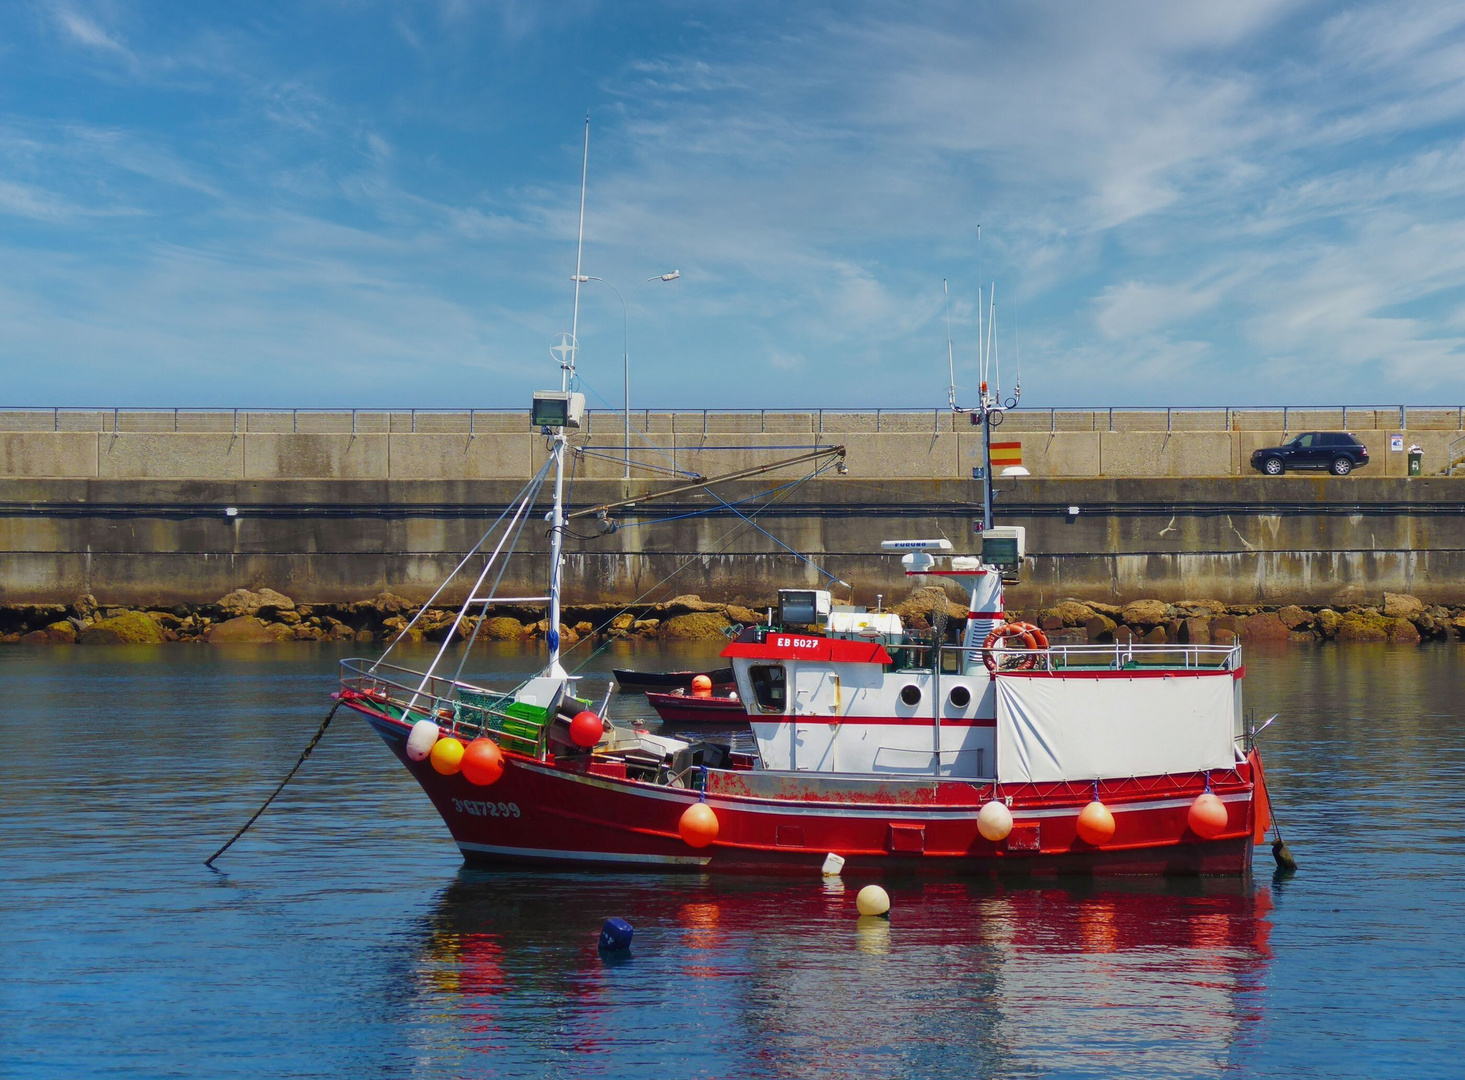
(371, 204)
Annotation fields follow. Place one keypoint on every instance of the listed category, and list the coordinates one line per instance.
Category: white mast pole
(579, 258)
(994, 358)
(950, 356)
(981, 360)
(567, 376)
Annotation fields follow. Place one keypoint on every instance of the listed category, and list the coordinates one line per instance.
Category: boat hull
(545, 813)
(631, 681)
(685, 709)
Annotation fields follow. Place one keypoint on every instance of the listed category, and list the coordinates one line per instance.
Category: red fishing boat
(995, 754)
(894, 750)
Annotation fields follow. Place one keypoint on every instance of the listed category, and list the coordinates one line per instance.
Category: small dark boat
(669, 680)
(683, 708)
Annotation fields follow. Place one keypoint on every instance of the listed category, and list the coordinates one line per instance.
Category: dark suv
(1336, 451)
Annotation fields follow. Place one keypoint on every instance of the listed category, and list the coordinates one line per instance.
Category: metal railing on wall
(477, 421)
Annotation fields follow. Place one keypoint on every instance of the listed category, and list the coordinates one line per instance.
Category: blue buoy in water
(615, 935)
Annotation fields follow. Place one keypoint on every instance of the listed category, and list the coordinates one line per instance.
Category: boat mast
(558, 441)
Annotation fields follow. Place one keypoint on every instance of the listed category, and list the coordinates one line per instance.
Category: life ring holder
(1032, 638)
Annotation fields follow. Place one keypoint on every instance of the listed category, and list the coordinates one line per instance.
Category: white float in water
(873, 900)
(421, 739)
(994, 821)
(833, 864)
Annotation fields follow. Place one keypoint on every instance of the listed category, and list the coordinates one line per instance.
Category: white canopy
(1109, 725)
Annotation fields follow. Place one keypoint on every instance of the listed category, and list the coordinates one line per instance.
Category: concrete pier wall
(487, 445)
(1309, 540)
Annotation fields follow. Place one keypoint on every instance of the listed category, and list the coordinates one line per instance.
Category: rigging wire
(770, 536)
(715, 509)
(724, 543)
(492, 592)
(537, 478)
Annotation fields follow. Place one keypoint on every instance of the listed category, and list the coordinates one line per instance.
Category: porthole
(910, 694)
(960, 697)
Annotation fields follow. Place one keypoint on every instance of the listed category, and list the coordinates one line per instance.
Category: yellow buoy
(994, 821)
(872, 900)
(447, 756)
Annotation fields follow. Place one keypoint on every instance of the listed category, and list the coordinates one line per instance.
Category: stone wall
(484, 445)
(1311, 541)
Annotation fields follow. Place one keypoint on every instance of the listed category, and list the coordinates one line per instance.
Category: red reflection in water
(1023, 977)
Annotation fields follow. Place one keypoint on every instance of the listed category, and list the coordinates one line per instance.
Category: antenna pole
(567, 375)
(991, 343)
(981, 359)
(558, 441)
(987, 472)
(950, 356)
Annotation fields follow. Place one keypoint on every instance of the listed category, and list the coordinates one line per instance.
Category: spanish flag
(1006, 454)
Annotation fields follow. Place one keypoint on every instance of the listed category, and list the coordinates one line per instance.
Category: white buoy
(994, 821)
(833, 864)
(872, 900)
(421, 739)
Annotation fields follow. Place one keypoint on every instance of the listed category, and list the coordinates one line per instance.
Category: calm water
(345, 939)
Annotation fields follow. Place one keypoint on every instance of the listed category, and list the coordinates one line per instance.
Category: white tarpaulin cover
(1075, 728)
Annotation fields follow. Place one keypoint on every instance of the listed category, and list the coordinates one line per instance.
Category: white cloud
(86, 31)
(1135, 308)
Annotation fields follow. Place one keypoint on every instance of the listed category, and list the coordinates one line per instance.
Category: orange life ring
(1008, 630)
(1040, 639)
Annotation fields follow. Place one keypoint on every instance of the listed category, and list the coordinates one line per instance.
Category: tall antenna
(1017, 346)
(950, 356)
(991, 351)
(981, 360)
(567, 373)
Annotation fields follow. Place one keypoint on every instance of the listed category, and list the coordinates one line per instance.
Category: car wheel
(1342, 466)
(1273, 466)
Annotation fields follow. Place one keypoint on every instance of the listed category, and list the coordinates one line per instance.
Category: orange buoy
(586, 729)
(446, 755)
(1095, 823)
(483, 762)
(994, 821)
(698, 825)
(1207, 816)
(701, 686)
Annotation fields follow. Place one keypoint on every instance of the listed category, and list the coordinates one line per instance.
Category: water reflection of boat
(969, 978)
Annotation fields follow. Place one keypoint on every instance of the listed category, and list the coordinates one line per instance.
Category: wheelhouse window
(770, 686)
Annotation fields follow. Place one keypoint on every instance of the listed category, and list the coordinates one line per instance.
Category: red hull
(540, 812)
(685, 709)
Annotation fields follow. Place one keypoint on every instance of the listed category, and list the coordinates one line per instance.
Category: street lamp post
(626, 346)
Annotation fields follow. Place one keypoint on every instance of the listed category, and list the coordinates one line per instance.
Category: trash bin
(1416, 460)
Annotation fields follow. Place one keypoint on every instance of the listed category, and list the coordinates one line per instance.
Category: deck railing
(913, 654)
(420, 696)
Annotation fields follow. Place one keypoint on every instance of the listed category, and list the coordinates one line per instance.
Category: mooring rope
(209, 862)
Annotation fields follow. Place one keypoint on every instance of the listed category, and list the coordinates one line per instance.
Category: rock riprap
(265, 615)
